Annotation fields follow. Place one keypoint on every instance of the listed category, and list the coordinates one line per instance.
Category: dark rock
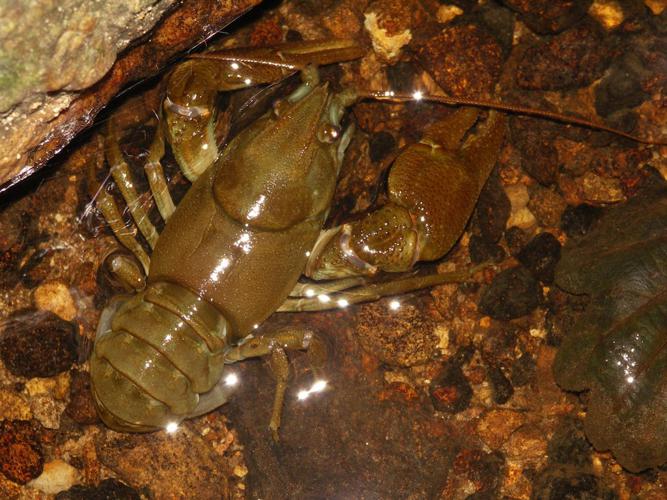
(576, 221)
(621, 88)
(464, 60)
(540, 256)
(566, 482)
(523, 370)
(500, 22)
(38, 344)
(569, 445)
(81, 407)
(109, 489)
(570, 60)
(492, 211)
(501, 387)
(512, 294)
(293, 36)
(484, 470)
(516, 239)
(535, 141)
(380, 145)
(401, 77)
(37, 268)
(466, 5)
(483, 251)
(451, 391)
(16, 230)
(549, 16)
(21, 458)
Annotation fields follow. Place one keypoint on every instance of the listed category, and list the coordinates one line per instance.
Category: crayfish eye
(328, 133)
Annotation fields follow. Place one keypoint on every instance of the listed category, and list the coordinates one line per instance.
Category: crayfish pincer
(250, 226)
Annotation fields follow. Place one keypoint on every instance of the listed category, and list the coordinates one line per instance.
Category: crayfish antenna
(510, 108)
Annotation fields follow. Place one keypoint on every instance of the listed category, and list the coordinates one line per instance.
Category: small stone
(401, 76)
(496, 426)
(518, 196)
(540, 256)
(501, 387)
(562, 481)
(398, 334)
(608, 13)
(47, 411)
(380, 145)
(21, 456)
(573, 59)
(516, 239)
(483, 251)
(446, 13)
(569, 445)
(57, 476)
(13, 406)
(38, 344)
(535, 141)
(523, 370)
(55, 297)
(576, 221)
(547, 206)
(657, 6)
(512, 294)
(388, 23)
(600, 190)
(621, 88)
(109, 489)
(81, 406)
(547, 16)
(492, 210)
(177, 465)
(522, 218)
(240, 471)
(527, 443)
(451, 391)
(464, 60)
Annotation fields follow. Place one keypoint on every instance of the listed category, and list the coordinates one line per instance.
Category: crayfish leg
(341, 293)
(275, 345)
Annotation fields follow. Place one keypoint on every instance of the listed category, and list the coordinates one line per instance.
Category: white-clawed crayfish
(251, 224)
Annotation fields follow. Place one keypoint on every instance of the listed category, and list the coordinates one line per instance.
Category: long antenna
(511, 108)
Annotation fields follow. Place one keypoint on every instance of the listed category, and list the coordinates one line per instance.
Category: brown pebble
(55, 297)
(398, 334)
(38, 344)
(81, 407)
(464, 60)
(21, 456)
(496, 426)
(573, 59)
(547, 206)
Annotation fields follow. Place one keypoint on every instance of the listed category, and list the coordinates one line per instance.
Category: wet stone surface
(444, 393)
(458, 52)
(37, 344)
(109, 489)
(20, 450)
(545, 16)
(540, 256)
(572, 59)
(513, 293)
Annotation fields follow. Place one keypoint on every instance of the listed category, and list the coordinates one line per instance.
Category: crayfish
(251, 225)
